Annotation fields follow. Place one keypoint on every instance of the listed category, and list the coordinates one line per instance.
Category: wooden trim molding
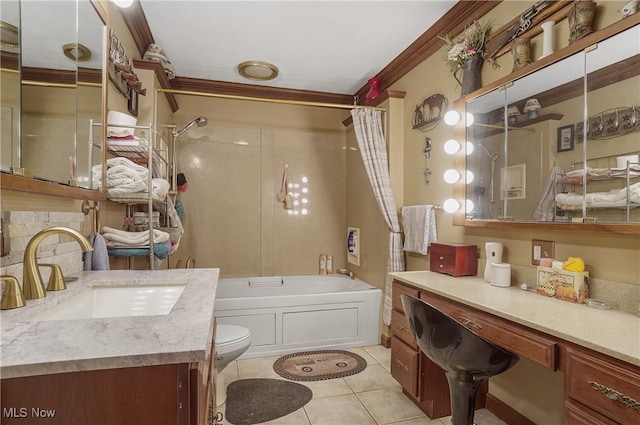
(138, 26)
(162, 78)
(251, 90)
(505, 412)
(9, 60)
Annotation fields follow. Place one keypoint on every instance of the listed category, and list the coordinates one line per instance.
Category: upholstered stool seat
(466, 358)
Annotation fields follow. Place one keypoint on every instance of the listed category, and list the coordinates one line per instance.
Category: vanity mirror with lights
(52, 95)
(572, 160)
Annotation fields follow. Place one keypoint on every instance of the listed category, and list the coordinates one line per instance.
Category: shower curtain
(367, 124)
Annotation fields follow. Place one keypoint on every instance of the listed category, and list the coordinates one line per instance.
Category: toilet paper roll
(621, 161)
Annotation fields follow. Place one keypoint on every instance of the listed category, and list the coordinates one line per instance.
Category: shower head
(198, 122)
(492, 155)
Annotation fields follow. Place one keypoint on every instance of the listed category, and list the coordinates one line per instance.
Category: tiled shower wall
(18, 228)
(232, 217)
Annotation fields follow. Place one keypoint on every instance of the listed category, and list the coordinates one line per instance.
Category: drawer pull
(469, 323)
(402, 365)
(615, 395)
(402, 329)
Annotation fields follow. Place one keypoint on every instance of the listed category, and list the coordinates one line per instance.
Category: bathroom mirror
(61, 93)
(513, 156)
(9, 83)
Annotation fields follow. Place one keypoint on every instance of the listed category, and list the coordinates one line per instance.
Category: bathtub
(292, 313)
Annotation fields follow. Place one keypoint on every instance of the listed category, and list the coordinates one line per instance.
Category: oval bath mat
(319, 365)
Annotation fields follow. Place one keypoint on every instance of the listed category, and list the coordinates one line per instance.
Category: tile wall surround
(623, 296)
(20, 226)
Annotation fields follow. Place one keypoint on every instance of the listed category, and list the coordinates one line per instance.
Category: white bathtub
(292, 313)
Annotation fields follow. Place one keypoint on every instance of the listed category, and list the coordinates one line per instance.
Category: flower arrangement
(469, 44)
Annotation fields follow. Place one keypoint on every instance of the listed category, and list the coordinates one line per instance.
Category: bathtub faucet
(33, 286)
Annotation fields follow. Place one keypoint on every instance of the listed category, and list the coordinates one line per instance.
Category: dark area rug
(251, 401)
(319, 365)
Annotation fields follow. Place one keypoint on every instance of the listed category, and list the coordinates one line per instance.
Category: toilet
(231, 342)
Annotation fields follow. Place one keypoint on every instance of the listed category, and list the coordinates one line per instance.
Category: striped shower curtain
(367, 124)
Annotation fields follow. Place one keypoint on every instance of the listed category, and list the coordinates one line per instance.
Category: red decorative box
(454, 259)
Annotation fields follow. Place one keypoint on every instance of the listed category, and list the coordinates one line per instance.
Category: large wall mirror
(560, 145)
(59, 91)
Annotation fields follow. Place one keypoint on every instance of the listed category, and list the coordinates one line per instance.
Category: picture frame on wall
(565, 138)
(133, 103)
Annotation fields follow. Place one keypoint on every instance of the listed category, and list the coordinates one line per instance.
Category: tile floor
(371, 397)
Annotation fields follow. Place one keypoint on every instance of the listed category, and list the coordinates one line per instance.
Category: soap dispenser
(494, 255)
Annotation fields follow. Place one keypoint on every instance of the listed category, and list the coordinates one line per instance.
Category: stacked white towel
(121, 238)
(419, 223)
(123, 176)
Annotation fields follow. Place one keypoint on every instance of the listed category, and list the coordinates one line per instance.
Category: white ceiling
(325, 46)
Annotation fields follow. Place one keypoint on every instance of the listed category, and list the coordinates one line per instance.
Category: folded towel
(116, 237)
(419, 228)
(160, 250)
(160, 188)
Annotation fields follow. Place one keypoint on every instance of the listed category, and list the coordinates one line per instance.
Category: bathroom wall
(234, 169)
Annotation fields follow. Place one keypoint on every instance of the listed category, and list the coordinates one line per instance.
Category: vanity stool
(467, 359)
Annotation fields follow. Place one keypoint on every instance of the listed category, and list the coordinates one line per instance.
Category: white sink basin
(116, 301)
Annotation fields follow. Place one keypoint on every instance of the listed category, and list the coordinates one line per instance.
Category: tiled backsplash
(20, 226)
(622, 296)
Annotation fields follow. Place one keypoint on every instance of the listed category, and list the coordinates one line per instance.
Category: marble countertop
(29, 347)
(610, 332)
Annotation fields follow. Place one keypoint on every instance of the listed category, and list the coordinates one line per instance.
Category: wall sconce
(531, 108)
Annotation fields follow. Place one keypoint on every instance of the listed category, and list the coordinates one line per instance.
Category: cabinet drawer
(404, 365)
(400, 328)
(605, 387)
(399, 289)
(578, 415)
(515, 338)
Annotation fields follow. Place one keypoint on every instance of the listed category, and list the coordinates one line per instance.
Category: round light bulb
(451, 176)
(451, 146)
(469, 176)
(470, 119)
(470, 148)
(452, 118)
(123, 3)
(451, 205)
(469, 206)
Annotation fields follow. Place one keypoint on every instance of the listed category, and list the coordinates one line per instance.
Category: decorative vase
(580, 19)
(374, 89)
(521, 50)
(470, 75)
(547, 38)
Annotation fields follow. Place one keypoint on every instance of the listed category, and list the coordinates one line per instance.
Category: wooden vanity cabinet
(598, 389)
(169, 394)
(422, 380)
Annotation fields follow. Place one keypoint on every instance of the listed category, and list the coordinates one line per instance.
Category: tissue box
(563, 284)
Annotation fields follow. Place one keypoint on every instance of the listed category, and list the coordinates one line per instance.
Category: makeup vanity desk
(598, 351)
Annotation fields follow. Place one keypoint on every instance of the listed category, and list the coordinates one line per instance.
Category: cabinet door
(400, 328)
(579, 415)
(399, 289)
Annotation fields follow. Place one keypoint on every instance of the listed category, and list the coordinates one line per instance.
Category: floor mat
(319, 365)
(251, 401)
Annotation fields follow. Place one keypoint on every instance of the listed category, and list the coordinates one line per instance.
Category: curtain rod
(261, 99)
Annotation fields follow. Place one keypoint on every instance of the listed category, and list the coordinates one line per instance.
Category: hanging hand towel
(419, 228)
(88, 256)
(100, 257)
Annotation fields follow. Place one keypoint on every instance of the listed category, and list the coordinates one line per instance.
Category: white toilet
(231, 342)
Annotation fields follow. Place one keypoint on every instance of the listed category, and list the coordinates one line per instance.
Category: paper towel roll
(621, 161)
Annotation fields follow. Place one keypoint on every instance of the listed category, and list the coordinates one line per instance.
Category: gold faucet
(32, 284)
(12, 295)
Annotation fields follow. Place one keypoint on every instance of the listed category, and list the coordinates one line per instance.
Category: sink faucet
(32, 284)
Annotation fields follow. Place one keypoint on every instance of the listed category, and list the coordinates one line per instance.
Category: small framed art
(133, 103)
(565, 138)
